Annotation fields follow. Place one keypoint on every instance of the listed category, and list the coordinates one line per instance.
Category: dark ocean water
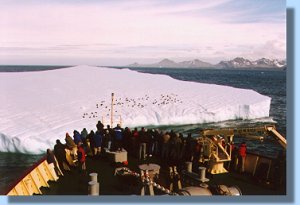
(26, 68)
(270, 83)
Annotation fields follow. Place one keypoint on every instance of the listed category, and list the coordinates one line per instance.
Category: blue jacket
(118, 133)
(77, 137)
(98, 139)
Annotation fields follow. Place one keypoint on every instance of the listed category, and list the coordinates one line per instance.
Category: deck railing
(33, 179)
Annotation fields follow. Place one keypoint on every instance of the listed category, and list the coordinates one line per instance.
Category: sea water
(270, 83)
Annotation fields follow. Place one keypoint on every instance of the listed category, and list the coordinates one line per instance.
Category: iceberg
(36, 108)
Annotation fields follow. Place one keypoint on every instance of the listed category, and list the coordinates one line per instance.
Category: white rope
(147, 181)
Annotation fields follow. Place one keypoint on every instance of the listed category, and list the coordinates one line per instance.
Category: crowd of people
(172, 148)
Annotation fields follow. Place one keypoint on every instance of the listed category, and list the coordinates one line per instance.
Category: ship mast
(112, 112)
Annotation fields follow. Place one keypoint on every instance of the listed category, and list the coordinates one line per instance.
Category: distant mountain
(264, 62)
(195, 64)
(167, 63)
(238, 62)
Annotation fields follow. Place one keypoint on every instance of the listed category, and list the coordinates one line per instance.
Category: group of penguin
(140, 102)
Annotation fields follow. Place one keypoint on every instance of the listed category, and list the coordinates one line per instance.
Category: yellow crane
(216, 143)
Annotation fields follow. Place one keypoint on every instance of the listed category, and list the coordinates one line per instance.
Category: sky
(121, 32)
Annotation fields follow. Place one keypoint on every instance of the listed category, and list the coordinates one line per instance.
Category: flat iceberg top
(36, 108)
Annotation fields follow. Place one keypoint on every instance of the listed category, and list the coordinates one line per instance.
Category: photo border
(291, 190)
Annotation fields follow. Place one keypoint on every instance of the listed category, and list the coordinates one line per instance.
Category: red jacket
(81, 154)
(135, 134)
(242, 150)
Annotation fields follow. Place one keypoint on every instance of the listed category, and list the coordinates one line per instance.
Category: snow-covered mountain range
(167, 63)
(238, 62)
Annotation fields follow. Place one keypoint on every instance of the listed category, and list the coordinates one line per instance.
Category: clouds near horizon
(118, 32)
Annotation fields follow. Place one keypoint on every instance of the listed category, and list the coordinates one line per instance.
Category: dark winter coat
(118, 133)
(98, 139)
(59, 152)
(77, 137)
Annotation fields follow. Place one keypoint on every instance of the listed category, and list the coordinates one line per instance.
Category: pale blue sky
(119, 32)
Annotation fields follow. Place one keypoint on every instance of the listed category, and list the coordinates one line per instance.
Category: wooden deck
(76, 183)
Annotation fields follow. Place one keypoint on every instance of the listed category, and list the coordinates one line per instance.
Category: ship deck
(76, 183)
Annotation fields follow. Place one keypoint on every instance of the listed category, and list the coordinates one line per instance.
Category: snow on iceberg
(36, 108)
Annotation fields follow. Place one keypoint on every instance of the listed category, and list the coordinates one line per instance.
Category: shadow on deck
(76, 183)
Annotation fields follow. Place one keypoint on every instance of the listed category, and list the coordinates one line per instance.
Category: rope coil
(147, 181)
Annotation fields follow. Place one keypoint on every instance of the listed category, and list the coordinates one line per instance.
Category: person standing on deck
(69, 142)
(98, 142)
(52, 160)
(189, 148)
(60, 154)
(156, 142)
(150, 145)
(83, 135)
(108, 139)
(81, 157)
(242, 156)
(105, 139)
(175, 150)
(71, 145)
(234, 159)
(135, 142)
(76, 137)
(118, 137)
(90, 143)
(181, 149)
(143, 141)
(126, 139)
(197, 150)
(165, 146)
(109, 133)
(100, 125)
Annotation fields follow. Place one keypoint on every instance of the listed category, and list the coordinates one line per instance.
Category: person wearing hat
(71, 146)
(60, 154)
